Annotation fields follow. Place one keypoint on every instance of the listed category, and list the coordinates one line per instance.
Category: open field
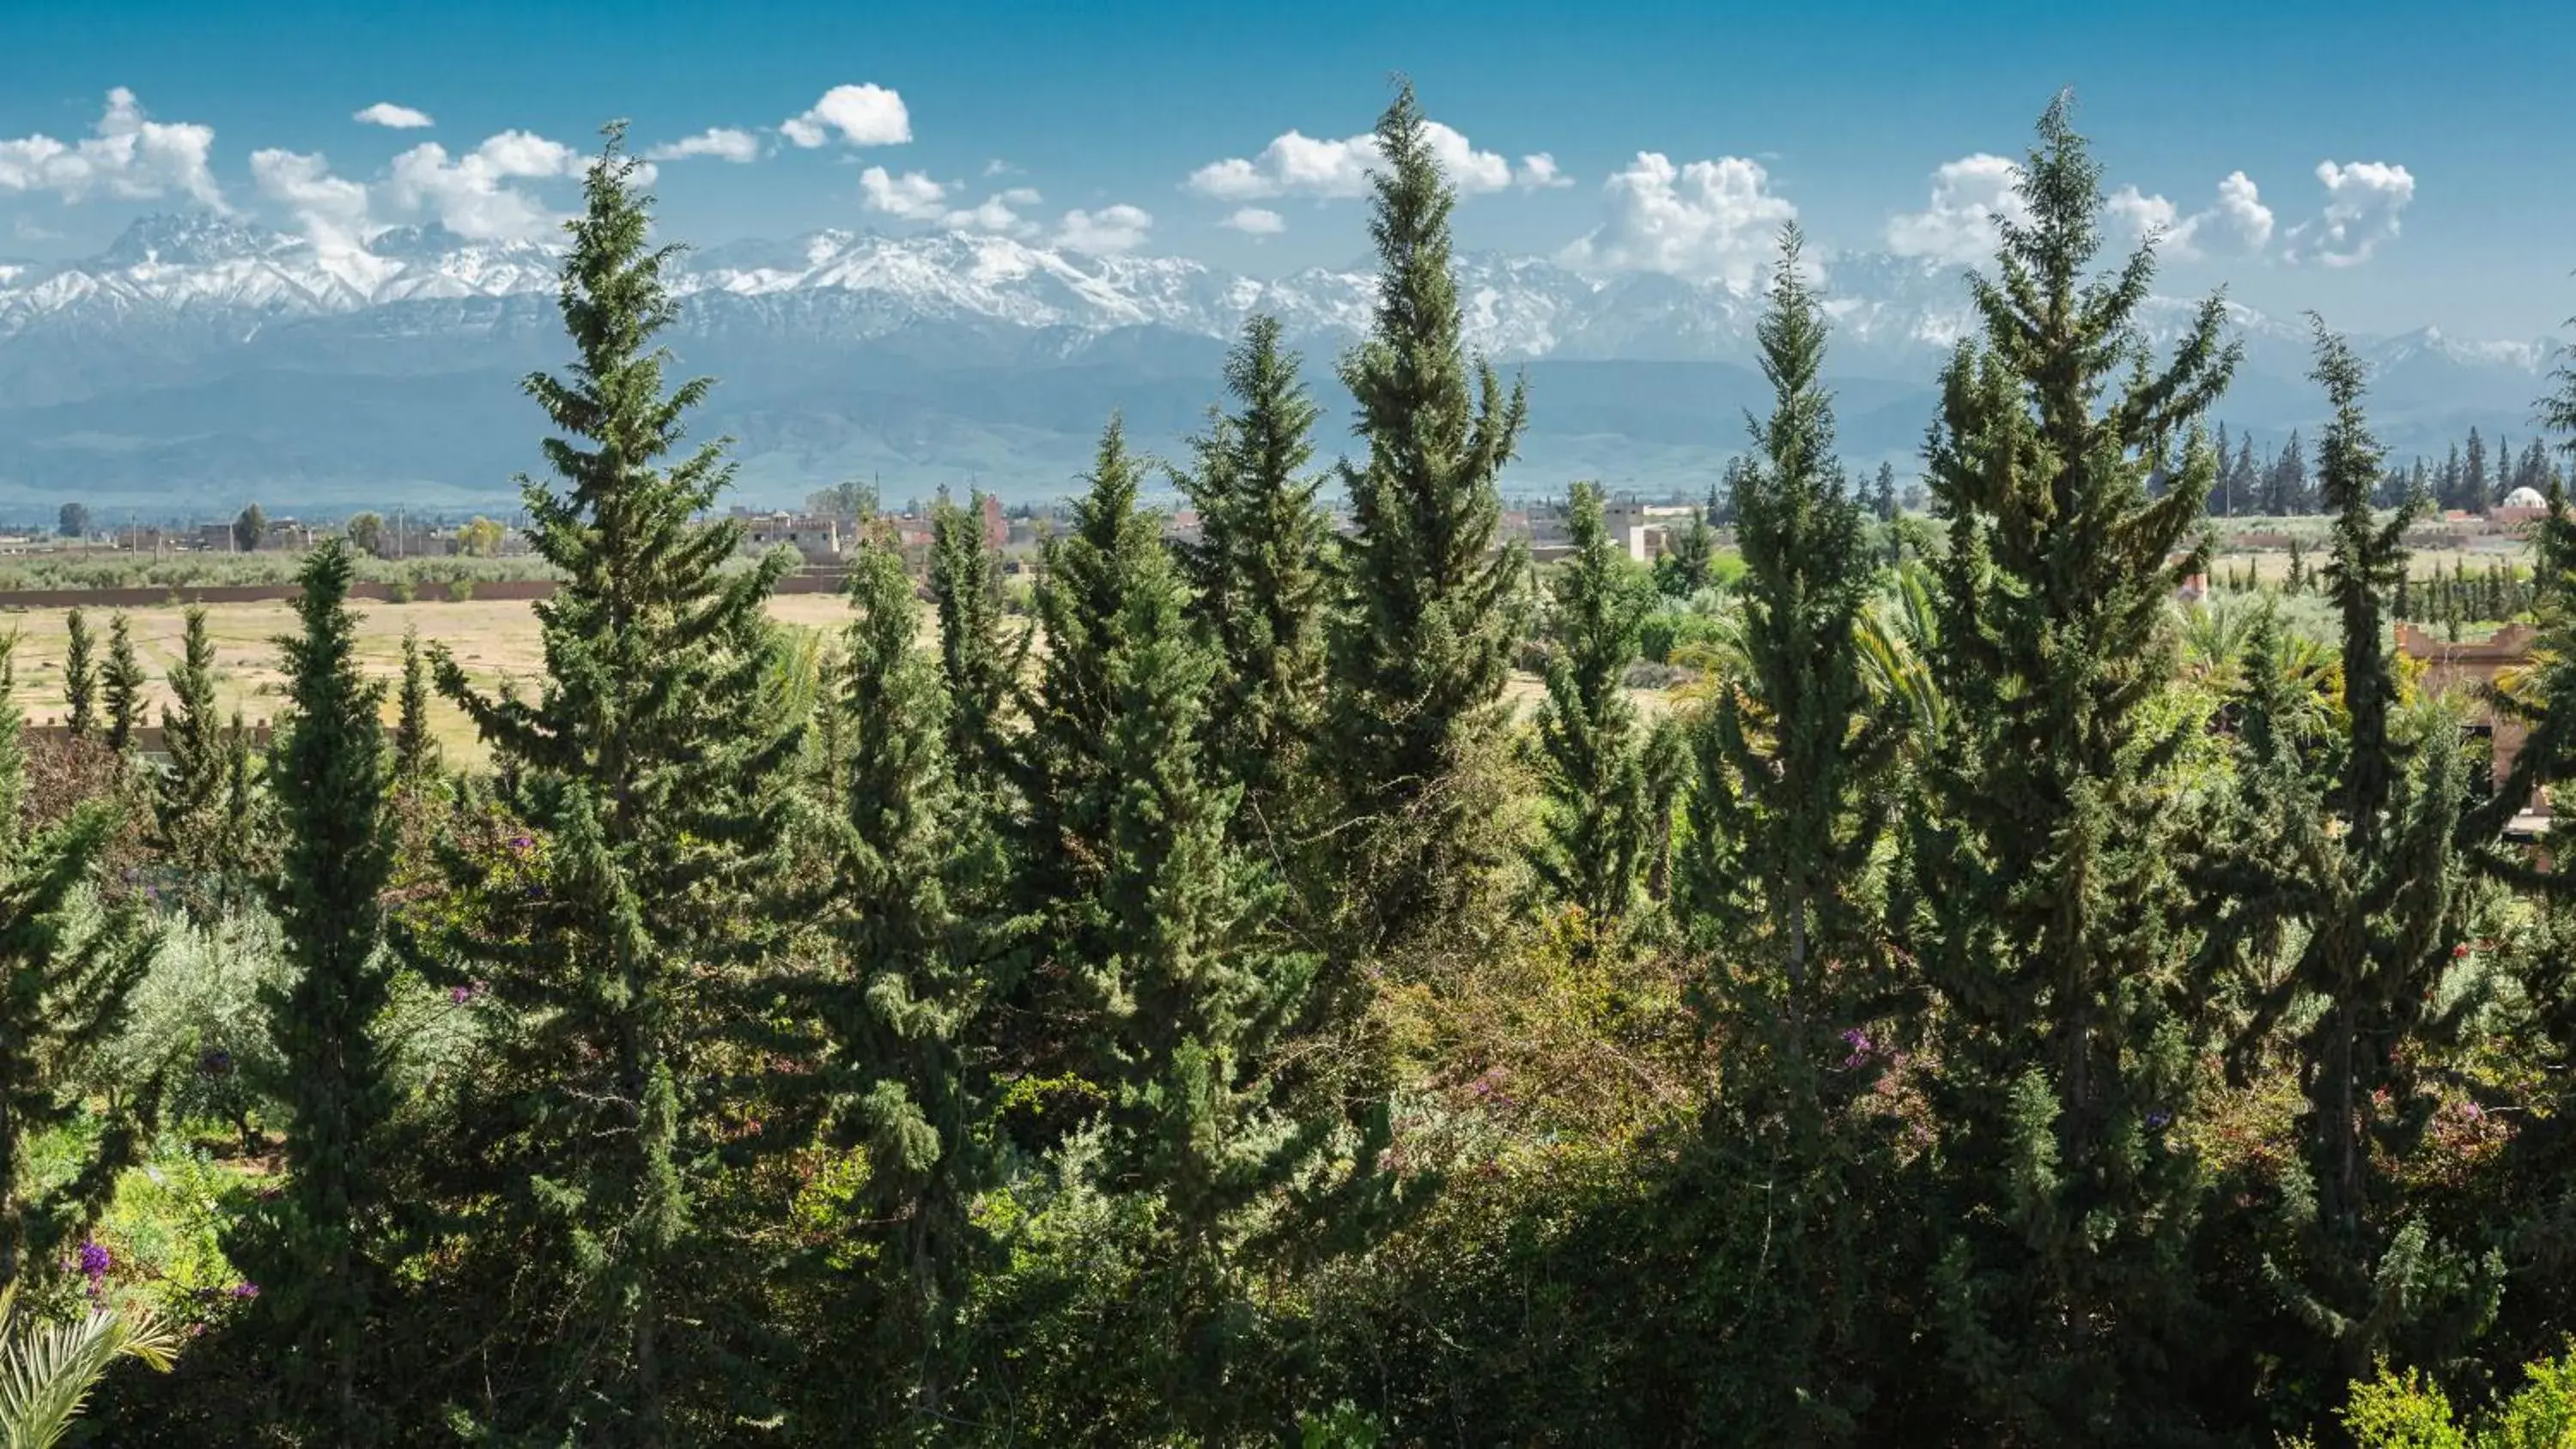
(491, 638)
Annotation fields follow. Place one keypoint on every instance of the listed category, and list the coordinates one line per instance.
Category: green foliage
(1258, 575)
(67, 981)
(315, 1255)
(415, 752)
(2049, 924)
(122, 683)
(1420, 651)
(1592, 751)
(646, 766)
(979, 663)
(194, 800)
(250, 529)
(80, 676)
(48, 1369)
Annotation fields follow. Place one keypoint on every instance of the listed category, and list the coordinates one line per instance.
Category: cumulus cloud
(128, 156)
(2361, 212)
(2237, 224)
(473, 195)
(1296, 164)
(1968, 196)
(1255, 221)
(387, 114)
(726, 142)
(913, 196)
(1539, 173)
(1706, 220)
(1106, 232)
(332, 209)
(863, 115)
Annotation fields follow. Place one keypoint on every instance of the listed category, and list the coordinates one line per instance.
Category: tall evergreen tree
(1258, 569)
(415, 751)
(1789, 805)
(316, 1253)
(1420, 654)
(2474, 490)
(1689, 562)
(1592, 758)
(899, 1011)
(1193, 995)
(979, 662)
(121, 684)
(1882, 493)
(70, 987)
(80, 676)
(645, 770)
(2048, 930)
(191, 802)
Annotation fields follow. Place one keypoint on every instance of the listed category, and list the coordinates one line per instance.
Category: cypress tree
(1421, 651)
(122, 684)
(644, 770)
(191, 797)
(2049, 931)
(1592, 762)
(80, 676)
(1258, 569)
(898, 1015)
(415, 752)
(315, 1255)
(70, 984)
(2380, 899)
(1063, 766)
(1689, 562)
(979, 663)
(1789, 804)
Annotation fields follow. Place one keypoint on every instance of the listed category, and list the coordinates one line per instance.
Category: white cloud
(471, 194)
(1968, 195)
(1255, 221)
(999, 167)
(387, 114)
(332, 209)
(1707, 220)
(2237, 224)
(1539, 173)
(1106, 232)
(865, 115)
(128, 157)
(2362, 205)
(1296, 164)
(913, 196)
(727, 142)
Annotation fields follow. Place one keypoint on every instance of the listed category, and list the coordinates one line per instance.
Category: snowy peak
(1892, 315)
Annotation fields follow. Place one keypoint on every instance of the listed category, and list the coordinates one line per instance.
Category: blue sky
(2446, 129)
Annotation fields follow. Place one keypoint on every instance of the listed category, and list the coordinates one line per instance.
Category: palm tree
(48, 1369)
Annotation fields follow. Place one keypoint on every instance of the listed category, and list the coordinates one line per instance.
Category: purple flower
(2472, 1111)
(522, 842)
(1858, 1041)
(245, 1290)
(2156, 1121)
(95, 1260)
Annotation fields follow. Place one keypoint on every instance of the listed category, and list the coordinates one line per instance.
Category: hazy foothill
(2055, 940)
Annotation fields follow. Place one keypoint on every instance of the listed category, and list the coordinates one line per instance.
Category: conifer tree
(121, 684)
(1882, 495)
(1592, 760)
(1689, 562)
(979, 663)
(315, 1255)
(192, 797)
(80, 677)
(645, 770)
(1112, 549)
(2379, 900)
(1421, 651)
(1258, 569)
(1788, 807)
(2048, 930)
(70, 985)
(415, 752)
(899, 1011)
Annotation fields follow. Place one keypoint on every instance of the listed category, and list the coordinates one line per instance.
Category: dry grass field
(491, 638)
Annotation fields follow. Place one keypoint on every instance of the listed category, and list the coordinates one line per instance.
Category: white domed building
(2522, 505)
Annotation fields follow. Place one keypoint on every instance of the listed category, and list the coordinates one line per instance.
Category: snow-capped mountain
(197, 352)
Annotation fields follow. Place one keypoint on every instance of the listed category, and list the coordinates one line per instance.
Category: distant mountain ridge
(199, 362)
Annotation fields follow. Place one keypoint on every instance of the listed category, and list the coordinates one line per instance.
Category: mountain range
(199, 363)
